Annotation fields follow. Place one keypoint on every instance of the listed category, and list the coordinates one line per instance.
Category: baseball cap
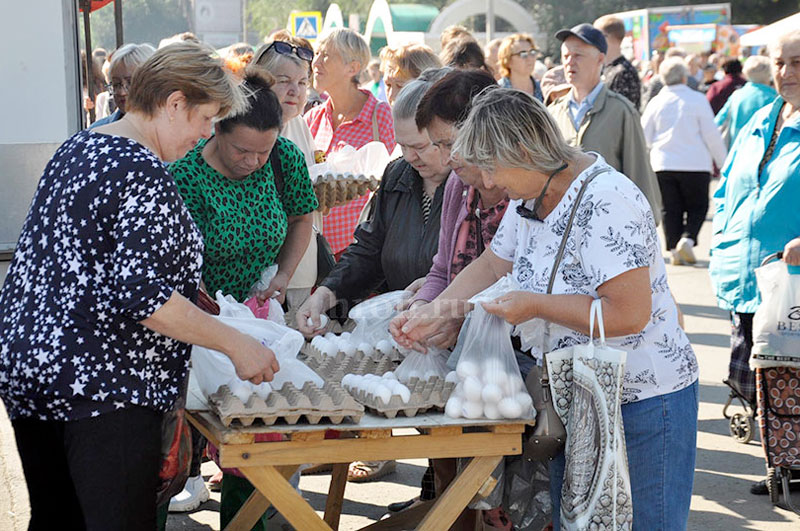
(587, 33)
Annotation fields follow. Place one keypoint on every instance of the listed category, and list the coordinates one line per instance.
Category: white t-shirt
(613, 232)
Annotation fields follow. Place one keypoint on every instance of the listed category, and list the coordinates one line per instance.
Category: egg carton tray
(312, 352)
(337, 190)
(333, 368)
(425, 395)
(288, 404)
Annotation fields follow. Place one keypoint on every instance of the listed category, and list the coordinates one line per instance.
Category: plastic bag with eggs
(372, 317)
(489, 384)
(422, 366)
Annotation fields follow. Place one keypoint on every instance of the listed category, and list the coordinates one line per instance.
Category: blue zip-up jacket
(741, 106)
(756, 215)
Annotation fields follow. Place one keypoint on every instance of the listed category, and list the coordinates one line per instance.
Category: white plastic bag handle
(596, 310)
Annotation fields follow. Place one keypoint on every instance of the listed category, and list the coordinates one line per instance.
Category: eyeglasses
(118, 86)
(416, 150)
(284, 48)
(525, 54)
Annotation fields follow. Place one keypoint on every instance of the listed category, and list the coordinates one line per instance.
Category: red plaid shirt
(338, 226)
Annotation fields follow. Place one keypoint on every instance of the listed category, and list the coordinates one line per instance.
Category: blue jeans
(661, 439)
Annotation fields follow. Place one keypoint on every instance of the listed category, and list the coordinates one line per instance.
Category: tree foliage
(142, 20)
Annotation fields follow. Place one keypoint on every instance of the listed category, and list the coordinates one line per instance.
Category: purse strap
(559, 256)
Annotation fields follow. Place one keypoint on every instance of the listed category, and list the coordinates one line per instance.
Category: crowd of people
(195, 178)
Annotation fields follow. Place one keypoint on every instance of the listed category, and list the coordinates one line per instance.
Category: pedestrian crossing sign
(306, 24)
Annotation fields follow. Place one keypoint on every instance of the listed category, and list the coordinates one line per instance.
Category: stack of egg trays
(289, 404)
(425, 395)
(337, 190)
(333, 368)
(312, 352)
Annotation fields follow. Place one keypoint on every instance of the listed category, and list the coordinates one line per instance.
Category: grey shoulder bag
(546, 439)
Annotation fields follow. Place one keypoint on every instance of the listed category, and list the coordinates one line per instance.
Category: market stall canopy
(762, 36)
(97, 4)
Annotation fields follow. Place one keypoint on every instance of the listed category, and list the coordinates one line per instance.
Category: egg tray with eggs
(337, 190)
(288, 404)
(388, 397)
(331, 345)
(333, 368)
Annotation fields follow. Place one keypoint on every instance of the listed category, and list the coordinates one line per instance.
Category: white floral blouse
(613, 232)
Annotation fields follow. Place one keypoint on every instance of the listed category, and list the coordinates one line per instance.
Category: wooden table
(268, 465)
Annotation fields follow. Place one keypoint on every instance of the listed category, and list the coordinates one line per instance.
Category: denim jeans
(661, 439)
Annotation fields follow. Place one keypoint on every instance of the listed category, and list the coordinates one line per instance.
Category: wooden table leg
(459, 493)
(333, 505)
(255, 506)
(286, 500)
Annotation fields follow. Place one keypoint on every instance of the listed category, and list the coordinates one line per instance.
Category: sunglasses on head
(526, 54)
(284, 48)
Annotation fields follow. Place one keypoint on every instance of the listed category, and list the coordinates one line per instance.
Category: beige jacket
(612, 128)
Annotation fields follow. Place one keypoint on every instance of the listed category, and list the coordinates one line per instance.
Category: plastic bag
(586, 384)
(271, 309)
(489, 382)
(213, 369)
(423, 366)
(776, 324)
(372, 317)
(370, 159)
(526, 497)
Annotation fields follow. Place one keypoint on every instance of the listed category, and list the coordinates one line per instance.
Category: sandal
(497, 519)
(215, 483)
(363, 471)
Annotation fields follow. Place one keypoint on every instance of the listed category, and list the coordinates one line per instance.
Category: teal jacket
(755, 215)
(742, 105)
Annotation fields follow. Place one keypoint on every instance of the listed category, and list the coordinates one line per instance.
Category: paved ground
(725, 469)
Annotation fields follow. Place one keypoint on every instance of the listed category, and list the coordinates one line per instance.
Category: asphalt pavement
(725, 469)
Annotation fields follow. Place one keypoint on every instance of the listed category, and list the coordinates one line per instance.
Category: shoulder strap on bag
(376, 135)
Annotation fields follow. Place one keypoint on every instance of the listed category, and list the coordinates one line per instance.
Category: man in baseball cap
(594, 118)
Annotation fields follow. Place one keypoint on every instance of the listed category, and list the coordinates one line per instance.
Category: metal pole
(87, 6)
(489, 20)
(118, 22)
(244, 20)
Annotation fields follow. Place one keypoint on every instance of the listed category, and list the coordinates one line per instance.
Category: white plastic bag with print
(213, 369)
(776, 324)
(489, 382)
(586, 384)
(372, 317)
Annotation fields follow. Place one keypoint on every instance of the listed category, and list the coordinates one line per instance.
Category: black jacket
(394, 247)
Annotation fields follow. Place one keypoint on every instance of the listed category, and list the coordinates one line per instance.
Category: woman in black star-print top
(95, 318)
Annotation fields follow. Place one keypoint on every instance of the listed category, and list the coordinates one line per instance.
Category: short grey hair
(757, 69)
(790, 36)
(130, 56)
(510, 128)
(407, 101)
(350, 45)
(673, 71)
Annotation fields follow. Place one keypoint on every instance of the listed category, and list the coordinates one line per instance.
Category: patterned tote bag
(586, 385)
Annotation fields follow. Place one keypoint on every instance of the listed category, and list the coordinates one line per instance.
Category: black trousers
(98, 473)
(683, 193)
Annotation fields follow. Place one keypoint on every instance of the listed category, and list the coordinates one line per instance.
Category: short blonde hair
(408, 61)
(509, 128)
(190, 68)
(505, 50)
(350, 45)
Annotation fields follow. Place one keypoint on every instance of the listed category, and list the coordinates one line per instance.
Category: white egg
(315, 341)
(345, 335)
(491, 393)
(510, 408)
(472, 410)
(472, 389)
(349, 349)
(490, 411)
(430, 374)
(263, 390)
(239, 389)
(389, 375)
(453, 407)
(323, 322)
(382, 392)
(467, 368)
(330, 349)
(497, 378)
(405, 394)
(412, 374)
(384, 346)
(347, 380)
(524, 400)
(366, 348)
(492, 365)
(323, 343)
(451, 377)
(514, 384)
(330, 336)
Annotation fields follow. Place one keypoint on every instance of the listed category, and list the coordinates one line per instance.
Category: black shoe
(396, 507)
(759, 488)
